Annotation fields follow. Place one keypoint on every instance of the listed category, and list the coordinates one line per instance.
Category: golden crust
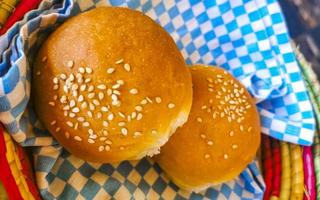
(211, 148)
(98, 39)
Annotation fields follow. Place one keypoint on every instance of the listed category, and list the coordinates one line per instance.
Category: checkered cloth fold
(247, 37)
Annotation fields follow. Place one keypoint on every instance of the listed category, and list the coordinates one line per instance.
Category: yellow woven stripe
(15, 167)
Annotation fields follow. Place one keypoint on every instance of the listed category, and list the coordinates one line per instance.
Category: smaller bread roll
(221, 136)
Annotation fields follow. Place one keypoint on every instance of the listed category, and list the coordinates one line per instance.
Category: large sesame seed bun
(90, 53)
(210, 148)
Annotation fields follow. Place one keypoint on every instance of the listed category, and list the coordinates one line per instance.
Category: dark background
(303, 20)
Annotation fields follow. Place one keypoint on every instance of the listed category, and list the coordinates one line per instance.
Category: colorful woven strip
(297, 187)
(313, 87)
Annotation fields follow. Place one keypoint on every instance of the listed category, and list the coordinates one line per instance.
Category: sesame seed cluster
(83, 101)
(231, 104)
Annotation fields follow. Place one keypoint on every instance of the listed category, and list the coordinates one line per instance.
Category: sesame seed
(72, 115)
(100, 95)
(99, 115)
(72, 103)
(114, 97)
(133, 115)
(70, 63)
(80, 98)
(74, 86)
(75, 110)
(206, 156)
(171, 105)
(109, 92)
(203, 136)
(110, 117)
(107, 148)
(91, 106)
(102, 138)
(44, 59)
(154, 132)
(65, 89)
(88, 70)
(55, 87)
(122, 115)
(222, 114)
(210, 143)
(234, 146)
(119, 61)
(38, 73)
(121, 124)
(138, 108)
(110, 70)
(80, 119)
(116, 86)
(199, 119)
(102, 87)
(108, 142)
(210, 80)
(87, 80)
(121, 82)
(91, 95)
(104, 109)
(91, 141)
(143, 102)
(105, 132)
(86, 124)
(231, 133)
(124, 131)
(105, 123)
(127, 67)
(55, 80)
(241, 128)
(77, 138)
(93, 136)
(225, 156)
(137, 134)
(121, 148)
(51, 103)
(249, 129)
(83, 87)
(96, 102)
(101, 148)
(90, 131)
(89, 113)
(53, 122)
(82, 70)
(58, 129)
(139, 116)
(149, 100)
(116, 92)
(90, 88)
(158, 99)
(65, 113)
(80, 80)
(133, 91)
(248, 106)
(71, 77)
(84, 105)
(75, 93)
(67, 135)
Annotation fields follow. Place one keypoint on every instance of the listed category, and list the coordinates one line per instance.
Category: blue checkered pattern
(247, 37)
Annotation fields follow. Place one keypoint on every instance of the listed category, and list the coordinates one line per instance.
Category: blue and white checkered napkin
(247, 37)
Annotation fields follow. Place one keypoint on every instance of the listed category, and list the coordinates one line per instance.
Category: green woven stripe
(313, 87)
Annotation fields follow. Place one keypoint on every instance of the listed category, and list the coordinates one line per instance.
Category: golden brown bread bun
(111, 85)
(221, 136)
